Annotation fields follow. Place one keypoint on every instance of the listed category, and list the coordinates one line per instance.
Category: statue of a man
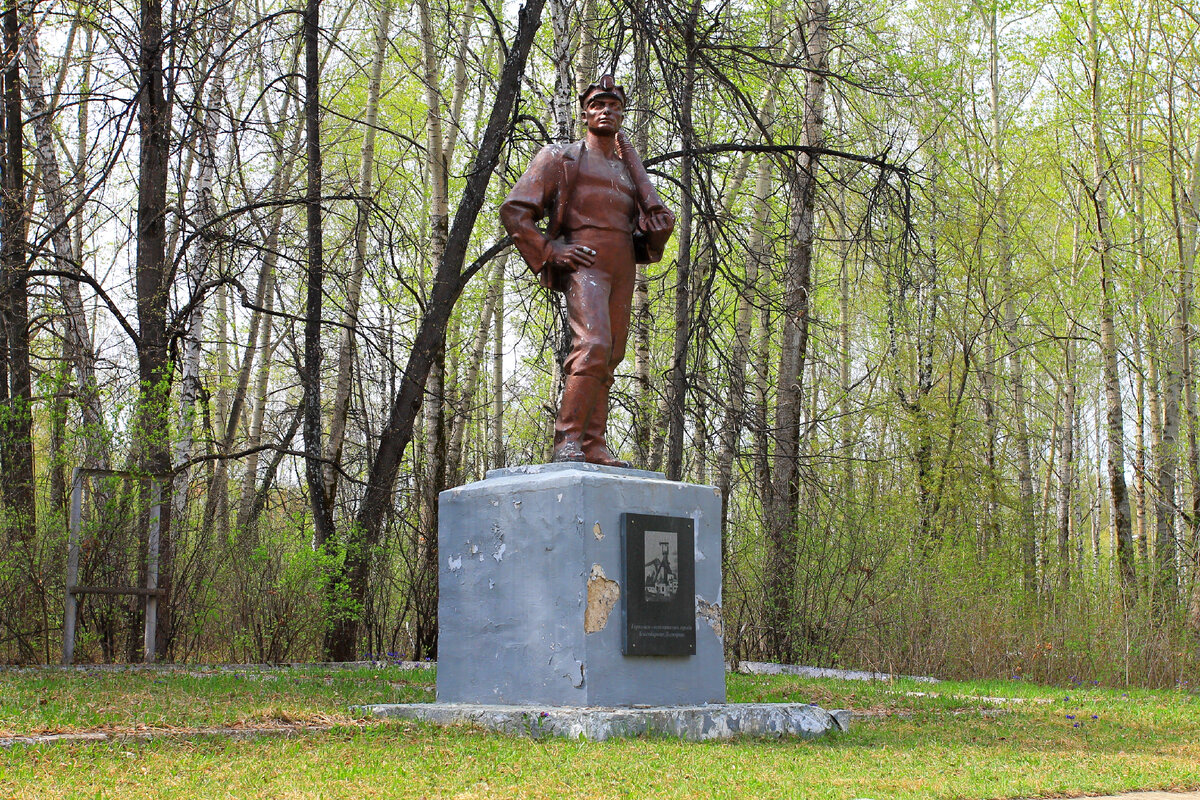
(603, 217)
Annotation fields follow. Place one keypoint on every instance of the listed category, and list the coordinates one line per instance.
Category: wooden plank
(151, 591)
(118, 590)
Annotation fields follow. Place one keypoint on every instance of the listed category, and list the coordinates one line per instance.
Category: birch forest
(926, 320)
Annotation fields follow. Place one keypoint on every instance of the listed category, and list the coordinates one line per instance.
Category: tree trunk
(498, 458)
(784, 496)
(562, 101)
(254, 435)
(310, 377)
(588, 53)
(845, 422)
(453, 135)
(1016, 370)
(1066, 444)
(77, 339)
(285, 161)
(748, 299)
(1139, 438)
(447, 286)
(153, 276)
(16, 427)
(1108, 345)
(17, 531)
(455, 399)
(81, 145)
(345, 357)
(640, 125)
(677, 387)
(760, 395)
(1135, 129)
(198, 273)
(483, 334)
(1186, 212)
(434, 478)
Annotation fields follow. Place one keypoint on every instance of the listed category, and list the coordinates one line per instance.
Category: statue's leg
(586, 367)
(579, 392)
(595, 445)
(620, 299)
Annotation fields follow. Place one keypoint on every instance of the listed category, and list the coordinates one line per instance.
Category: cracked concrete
(692, 723)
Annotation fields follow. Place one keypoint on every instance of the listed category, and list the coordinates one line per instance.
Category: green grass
(968, 741)
(53, 701)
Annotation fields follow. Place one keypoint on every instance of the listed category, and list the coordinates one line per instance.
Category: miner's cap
(605, 87)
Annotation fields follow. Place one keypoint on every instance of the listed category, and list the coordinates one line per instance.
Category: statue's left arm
(656, 221)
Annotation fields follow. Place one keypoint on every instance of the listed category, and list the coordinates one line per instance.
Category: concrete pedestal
(531, 590)
(690, 723)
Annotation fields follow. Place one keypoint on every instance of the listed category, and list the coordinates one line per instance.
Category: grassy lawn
(54, 701)
(951, 740)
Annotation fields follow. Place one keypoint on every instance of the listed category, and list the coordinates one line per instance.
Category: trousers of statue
(599, 299)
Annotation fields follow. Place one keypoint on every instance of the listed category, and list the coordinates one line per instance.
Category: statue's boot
(595, 448)
(578, 400)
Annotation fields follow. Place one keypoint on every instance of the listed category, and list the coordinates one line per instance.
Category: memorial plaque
(660, 580)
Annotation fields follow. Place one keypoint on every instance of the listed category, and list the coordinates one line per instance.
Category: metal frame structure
(150, 591)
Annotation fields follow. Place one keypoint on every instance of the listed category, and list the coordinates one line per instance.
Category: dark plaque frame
(660, 578)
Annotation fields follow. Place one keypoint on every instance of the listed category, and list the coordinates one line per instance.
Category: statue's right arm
(528, 203)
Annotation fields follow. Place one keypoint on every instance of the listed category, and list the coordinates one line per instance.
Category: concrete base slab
(1148, 796)
(693, 723)
(768, 668)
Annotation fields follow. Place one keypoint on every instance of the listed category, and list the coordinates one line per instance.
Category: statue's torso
(603, 197)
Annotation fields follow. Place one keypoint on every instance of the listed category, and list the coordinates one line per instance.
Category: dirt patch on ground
(1145, 796)
(141, 733)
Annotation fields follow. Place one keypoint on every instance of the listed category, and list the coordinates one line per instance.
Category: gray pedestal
(691, 723)
(532, 591)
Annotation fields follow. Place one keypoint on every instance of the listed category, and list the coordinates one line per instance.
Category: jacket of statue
(544, 192)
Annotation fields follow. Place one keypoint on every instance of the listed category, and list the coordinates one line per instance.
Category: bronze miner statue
(603, 217)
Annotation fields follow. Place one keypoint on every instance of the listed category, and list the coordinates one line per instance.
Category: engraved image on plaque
(662, 566)
(660, 573)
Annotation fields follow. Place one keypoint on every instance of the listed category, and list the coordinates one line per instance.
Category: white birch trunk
(345, 357)
(258, 415)
(78, 346)
(562, 101)
(1114, 411)
(198, 271)
(483, 334)
(498, 459)
(1016, 371)
(438, 172)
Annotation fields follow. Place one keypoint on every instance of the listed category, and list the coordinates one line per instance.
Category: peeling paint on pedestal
(710, 613)
(603, 595)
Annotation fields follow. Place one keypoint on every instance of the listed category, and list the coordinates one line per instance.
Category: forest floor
(289, 733)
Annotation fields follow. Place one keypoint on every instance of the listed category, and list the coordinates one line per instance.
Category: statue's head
(606, 87)
(602, 106)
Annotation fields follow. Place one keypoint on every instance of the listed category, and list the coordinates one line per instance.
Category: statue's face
(604, 115)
